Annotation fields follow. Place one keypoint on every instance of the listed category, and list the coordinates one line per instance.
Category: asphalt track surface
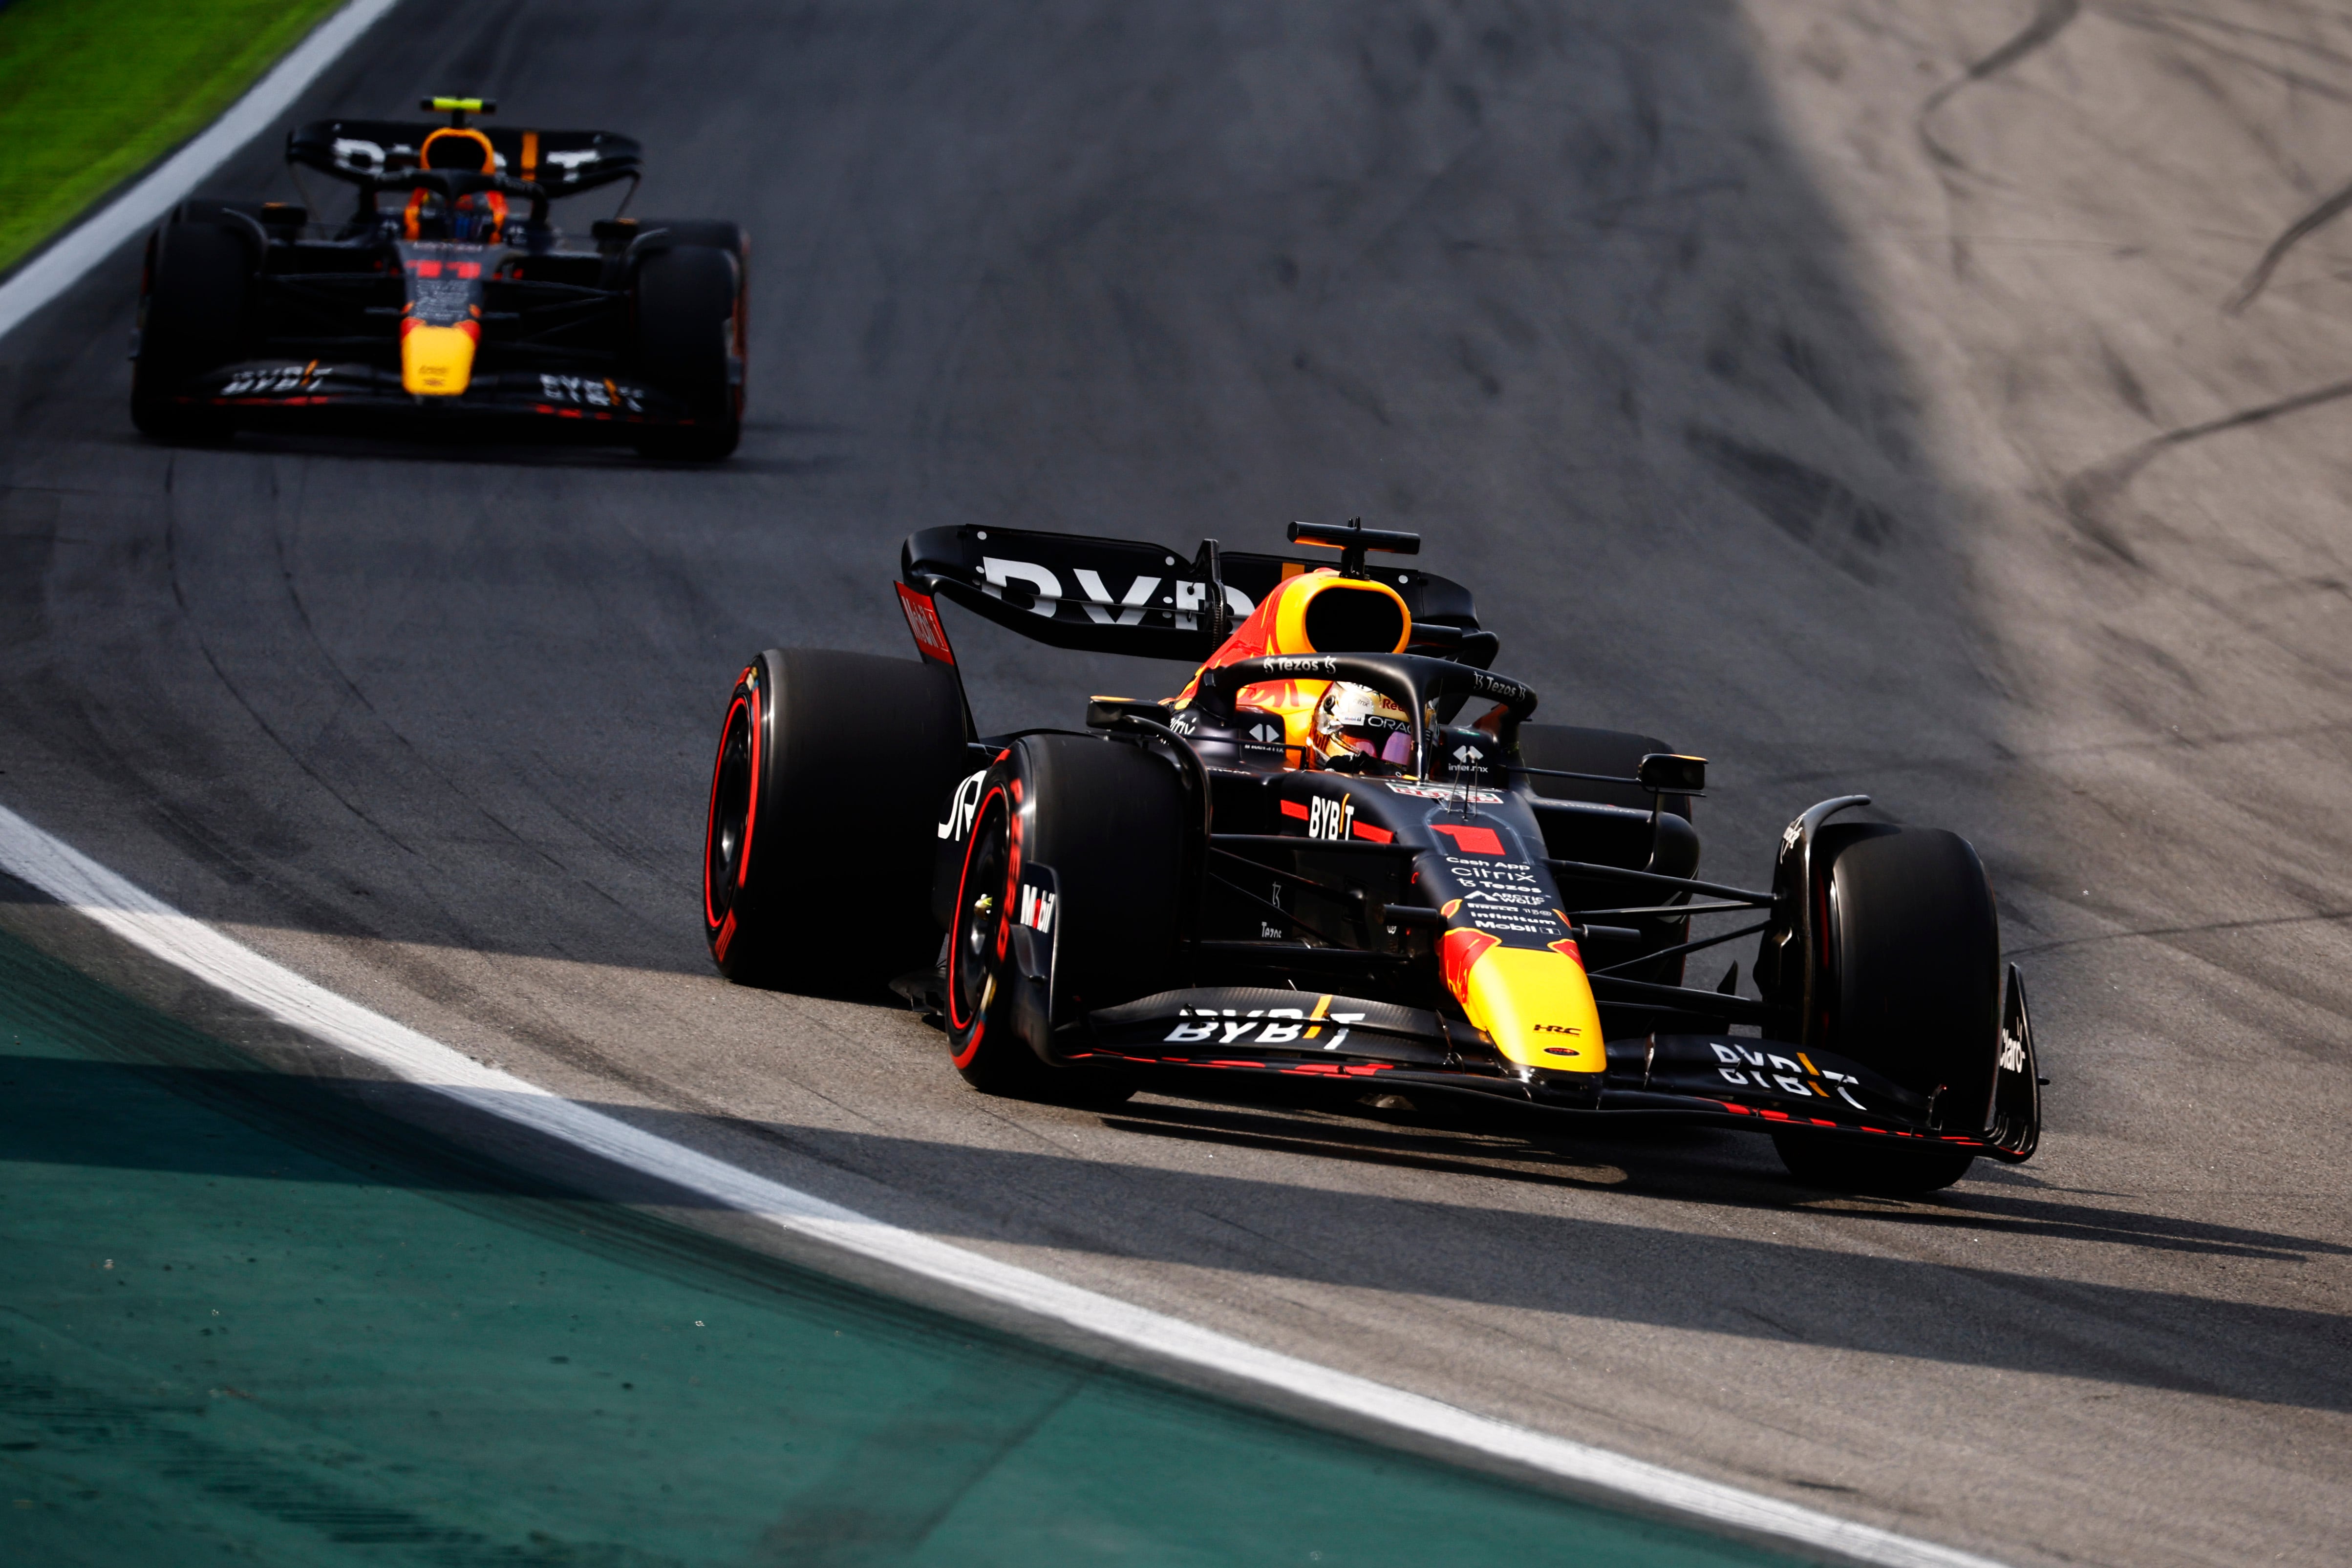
(1867, 397)
(311, 1338)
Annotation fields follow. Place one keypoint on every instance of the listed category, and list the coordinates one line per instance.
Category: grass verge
(92, 91)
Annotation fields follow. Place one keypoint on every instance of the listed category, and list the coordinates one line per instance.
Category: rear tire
(1911, 988)
(818, 843)
(190, 320)
(688, 335)
(1108, 818)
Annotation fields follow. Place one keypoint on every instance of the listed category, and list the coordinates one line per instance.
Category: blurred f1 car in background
(1303, 875)
(445, 295)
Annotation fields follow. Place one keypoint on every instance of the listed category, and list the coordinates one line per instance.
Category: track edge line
(110, 900)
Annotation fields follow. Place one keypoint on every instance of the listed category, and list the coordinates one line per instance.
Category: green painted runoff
(92, 91)
(247, 1318)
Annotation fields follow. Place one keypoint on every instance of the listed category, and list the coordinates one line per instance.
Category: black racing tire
(818, 842)
(1110, 819)
(192, 310)
(687, 334)
(1910, 987)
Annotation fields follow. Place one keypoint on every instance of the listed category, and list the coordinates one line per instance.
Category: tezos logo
(1488, 685)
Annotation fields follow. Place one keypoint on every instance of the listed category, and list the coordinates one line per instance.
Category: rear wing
(560, 163)
(1123, 596)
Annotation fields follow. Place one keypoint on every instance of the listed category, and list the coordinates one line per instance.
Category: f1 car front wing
(294, 388)
(1739, 1081)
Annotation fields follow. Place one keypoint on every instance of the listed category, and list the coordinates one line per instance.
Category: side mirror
(1108, 713)
(1667, 773)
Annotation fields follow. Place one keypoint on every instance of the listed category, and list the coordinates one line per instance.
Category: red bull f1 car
(445, 294)
(1342, 860)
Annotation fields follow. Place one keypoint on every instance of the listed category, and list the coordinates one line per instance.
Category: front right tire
(190, 320)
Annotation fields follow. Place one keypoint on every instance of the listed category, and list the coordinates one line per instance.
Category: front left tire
(1107, 820)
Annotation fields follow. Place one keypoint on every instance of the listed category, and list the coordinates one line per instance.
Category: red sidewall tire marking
(955, 942)
(752, 811)
(963, 1059)
(1012, 872)
(712, 921)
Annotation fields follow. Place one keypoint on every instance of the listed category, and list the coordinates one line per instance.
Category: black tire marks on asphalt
(2050, 17)
(2303, 228)
(2178, 25)
(229, 685)
(2181, 27)
(1816, 509)
(2086, 495)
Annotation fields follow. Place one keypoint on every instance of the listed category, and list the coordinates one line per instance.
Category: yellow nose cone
(1537, 1007)
(437, 361)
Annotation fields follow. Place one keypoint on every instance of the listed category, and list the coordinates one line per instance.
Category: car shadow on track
(1610, 1263)
(1698, 1164)
(473, 448)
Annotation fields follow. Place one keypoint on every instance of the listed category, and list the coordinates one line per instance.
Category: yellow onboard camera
(457, 109)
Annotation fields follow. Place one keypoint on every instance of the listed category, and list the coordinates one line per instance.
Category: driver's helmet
(477, 216)
(1356, 722)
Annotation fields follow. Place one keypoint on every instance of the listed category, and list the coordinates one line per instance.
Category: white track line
(61, 267)
(146, 922)
(75, 880)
